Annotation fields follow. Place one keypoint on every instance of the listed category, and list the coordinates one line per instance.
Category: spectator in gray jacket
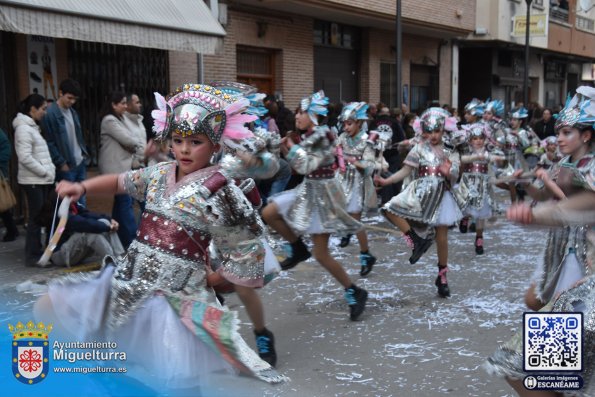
(36, 171)
(118, 146)
(134, 122)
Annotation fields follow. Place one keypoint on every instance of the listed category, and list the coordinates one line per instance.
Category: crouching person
(87, 235)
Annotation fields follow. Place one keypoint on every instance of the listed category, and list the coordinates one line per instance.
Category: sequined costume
(318, 204)
(565, 257)
(166, 268)
(427, 199)
(508, 359)
(569, 253)
(154, 301)
(475, 192)
(358, 185)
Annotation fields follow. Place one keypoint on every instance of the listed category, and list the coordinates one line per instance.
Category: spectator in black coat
(545, 127)
(384, 122)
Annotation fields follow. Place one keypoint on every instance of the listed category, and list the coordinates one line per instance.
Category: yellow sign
(538, 25)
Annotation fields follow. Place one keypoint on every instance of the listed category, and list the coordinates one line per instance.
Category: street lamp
(526, 77)
(398, 56)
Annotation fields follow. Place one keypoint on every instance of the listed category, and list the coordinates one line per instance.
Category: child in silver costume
(513, 141)
(564, 260)
(159, 288)
(427, 199)
(356, 175)
(551, 156)
(316, 206)
(474, 193)
(508, 360)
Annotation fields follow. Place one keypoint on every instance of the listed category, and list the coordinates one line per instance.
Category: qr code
(553, 341)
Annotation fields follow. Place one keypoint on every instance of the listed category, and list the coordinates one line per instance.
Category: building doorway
(256, 67)
(424, 87)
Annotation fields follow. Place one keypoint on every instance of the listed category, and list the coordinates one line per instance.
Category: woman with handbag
(7, 200)
(36, 171)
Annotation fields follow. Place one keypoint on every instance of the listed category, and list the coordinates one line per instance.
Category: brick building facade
(344, 47)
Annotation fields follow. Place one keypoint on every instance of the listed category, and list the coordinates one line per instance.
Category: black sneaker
(356, 299)
(265, 343)
(420, 246)
(299, 253)
(464, 225)
(367, 260)
(479, 245)
(345, 241)
(441, 282)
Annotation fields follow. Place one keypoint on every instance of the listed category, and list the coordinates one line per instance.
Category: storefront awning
(180, 25)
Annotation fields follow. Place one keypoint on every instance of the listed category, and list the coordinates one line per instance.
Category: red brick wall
(291, 36)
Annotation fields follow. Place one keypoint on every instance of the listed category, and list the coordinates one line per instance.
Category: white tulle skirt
(485, 212)
(161, 350)
(449, 212)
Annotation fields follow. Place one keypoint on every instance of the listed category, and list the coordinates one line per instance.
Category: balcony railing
(559, 14)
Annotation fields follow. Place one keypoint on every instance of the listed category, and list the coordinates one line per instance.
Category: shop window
(335, 34)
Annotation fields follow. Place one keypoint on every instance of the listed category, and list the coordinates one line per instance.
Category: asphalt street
(409, 342)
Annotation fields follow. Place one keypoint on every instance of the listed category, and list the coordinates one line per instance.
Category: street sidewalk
(14, 271)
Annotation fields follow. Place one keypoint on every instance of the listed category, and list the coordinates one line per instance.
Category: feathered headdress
(587, 115)
(578, 110)
(239, 90)
(476, 129)
(475, 107)
(433, 119)
(354, 111)
(201, 109)
(496, 107)
(234, 88)
(315, 105)
(519, 113)
(256, 105)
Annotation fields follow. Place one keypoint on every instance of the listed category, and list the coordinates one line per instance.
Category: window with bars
(101, 68)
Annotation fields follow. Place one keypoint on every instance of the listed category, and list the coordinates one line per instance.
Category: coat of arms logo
(30, 351)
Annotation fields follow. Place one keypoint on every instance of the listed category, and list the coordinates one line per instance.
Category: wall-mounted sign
(537, 27)
(41, 52)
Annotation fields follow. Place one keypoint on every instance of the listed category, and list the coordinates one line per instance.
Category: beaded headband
(201, 109)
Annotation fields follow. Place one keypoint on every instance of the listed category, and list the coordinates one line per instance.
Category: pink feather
(234, 127)
(160, 114)
(450, 124)
(160, 101)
